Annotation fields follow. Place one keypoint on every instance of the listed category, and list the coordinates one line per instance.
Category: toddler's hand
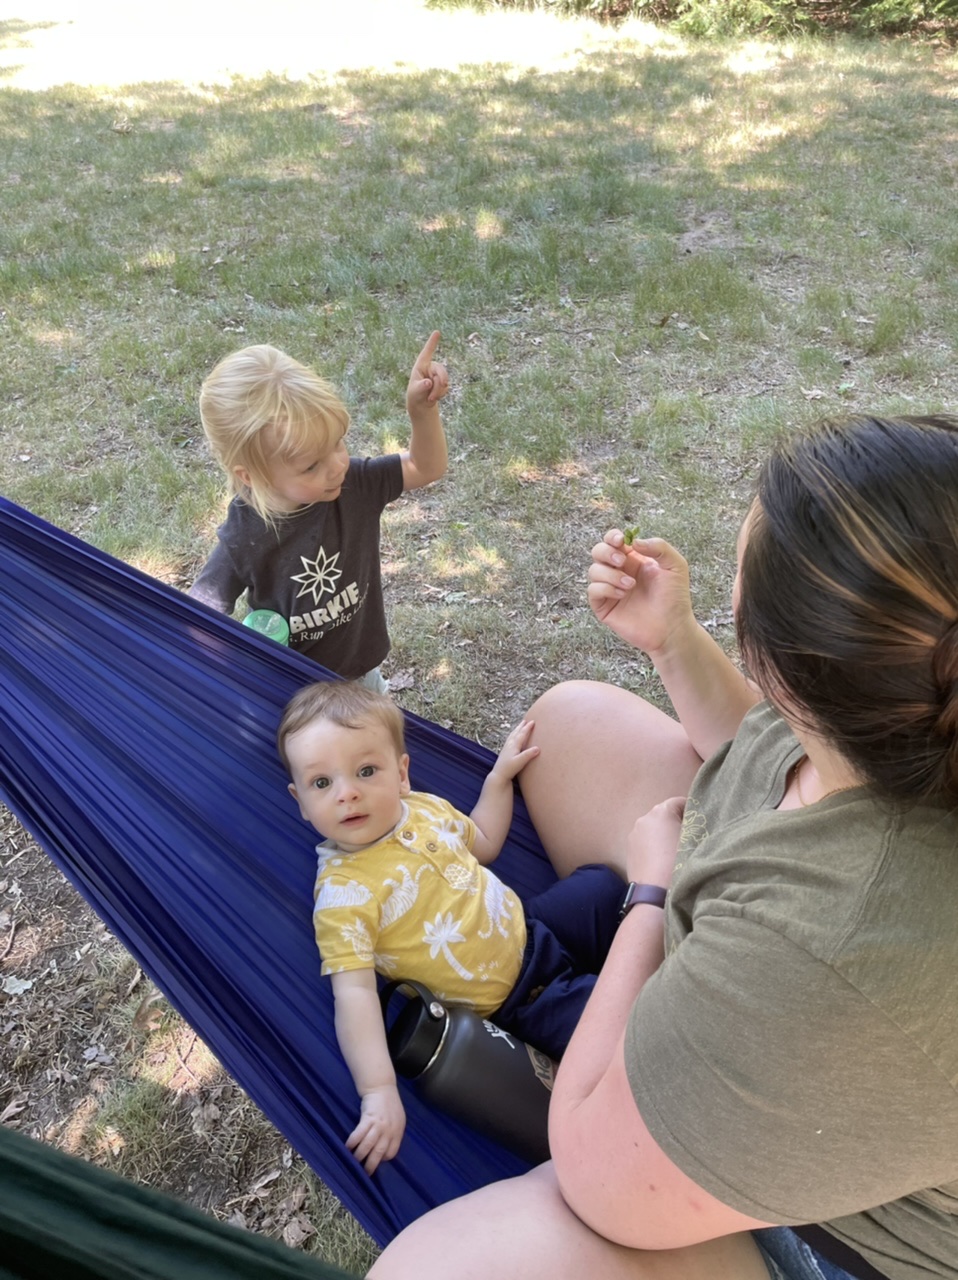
(515, 753)
(429, 381)
(653, 843)
(380, 1129)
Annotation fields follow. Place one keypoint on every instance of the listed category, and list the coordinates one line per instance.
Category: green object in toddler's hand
(268, 623)
(630, 536)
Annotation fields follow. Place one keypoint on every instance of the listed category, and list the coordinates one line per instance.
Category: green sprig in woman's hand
(640, 590)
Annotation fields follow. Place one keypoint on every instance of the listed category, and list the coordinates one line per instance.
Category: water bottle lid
(415, 1035)
(268, 623)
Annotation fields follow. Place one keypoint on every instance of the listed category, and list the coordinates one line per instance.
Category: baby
(403, 890)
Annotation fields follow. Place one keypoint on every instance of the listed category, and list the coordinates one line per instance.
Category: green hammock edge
(61, 1216)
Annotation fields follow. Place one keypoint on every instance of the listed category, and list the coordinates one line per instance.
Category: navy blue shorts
(569, 930)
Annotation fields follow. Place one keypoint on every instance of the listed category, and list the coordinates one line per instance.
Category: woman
(780, 1044)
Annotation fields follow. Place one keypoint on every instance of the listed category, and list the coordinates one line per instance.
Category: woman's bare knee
(606, 757)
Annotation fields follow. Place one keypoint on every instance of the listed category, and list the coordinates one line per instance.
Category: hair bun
(848, 595)
(944, 669)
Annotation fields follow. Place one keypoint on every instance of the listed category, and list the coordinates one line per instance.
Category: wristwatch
(651, 894)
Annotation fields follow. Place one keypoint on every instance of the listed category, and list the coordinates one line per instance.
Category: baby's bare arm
(362, 1040)
(493, 812)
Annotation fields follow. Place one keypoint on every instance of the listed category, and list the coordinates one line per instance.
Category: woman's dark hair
(848, 610)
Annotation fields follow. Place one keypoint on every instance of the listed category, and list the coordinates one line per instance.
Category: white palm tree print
(440, 936)
(449, 832)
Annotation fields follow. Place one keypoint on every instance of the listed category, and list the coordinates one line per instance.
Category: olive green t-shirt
(797, 1053)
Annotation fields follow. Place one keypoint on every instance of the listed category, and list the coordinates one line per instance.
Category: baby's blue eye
(321, 784)
(367, 771)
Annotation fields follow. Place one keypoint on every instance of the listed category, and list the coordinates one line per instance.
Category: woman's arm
(710, 695)
(612, 1173)
(642, 593)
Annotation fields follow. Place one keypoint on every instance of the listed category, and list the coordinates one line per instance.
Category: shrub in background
(744, 17)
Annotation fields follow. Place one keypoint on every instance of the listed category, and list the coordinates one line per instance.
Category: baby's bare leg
(523, 1227)
(607, 756)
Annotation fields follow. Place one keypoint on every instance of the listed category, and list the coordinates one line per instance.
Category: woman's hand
(640, 592)
(653, 843)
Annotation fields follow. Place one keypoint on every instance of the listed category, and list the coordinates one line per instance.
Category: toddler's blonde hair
(260, 404)
(348, 703)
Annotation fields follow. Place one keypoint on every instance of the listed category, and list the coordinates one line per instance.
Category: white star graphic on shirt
(320, 576)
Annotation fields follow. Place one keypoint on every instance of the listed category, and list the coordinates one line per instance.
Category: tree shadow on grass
(656, 197)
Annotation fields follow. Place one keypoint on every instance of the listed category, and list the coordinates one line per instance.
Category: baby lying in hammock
(403, 890)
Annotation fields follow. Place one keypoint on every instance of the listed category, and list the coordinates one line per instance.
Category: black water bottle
(472, 1069)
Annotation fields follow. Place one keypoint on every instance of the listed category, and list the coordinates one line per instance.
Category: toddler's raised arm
(427, 458)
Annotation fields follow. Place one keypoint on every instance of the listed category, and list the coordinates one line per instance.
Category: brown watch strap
(652, 895)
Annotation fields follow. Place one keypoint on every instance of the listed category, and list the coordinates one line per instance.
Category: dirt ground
(93, 1060)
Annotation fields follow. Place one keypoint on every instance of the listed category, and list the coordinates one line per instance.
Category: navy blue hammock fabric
(137, 747)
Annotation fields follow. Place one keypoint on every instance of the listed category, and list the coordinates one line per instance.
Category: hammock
(137, 747)
(60, 1216)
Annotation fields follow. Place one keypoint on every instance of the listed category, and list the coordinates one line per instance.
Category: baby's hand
(429, 381)
(515, 754)
(380, 1129)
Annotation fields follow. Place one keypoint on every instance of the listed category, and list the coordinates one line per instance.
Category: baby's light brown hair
(259, 405)
(348, 703)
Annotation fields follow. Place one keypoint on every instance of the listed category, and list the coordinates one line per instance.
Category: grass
(648, 257)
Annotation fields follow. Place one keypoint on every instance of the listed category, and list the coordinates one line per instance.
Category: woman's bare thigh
(523, 1227)
(607, 756)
